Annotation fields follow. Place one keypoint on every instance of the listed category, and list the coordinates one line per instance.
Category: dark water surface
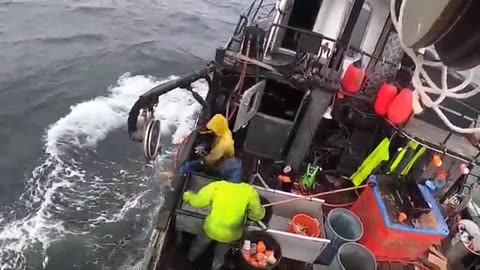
(71, 194)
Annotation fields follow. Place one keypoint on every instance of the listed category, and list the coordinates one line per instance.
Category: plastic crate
(391, 240)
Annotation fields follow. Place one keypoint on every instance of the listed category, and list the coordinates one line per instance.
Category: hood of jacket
(219, 125)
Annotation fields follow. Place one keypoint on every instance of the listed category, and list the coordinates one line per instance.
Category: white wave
(129, 204)
(59, 183)
(89, 122)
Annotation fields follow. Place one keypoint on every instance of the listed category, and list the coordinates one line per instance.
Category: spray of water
(64, 197)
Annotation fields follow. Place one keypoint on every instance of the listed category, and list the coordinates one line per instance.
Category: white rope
(421, 91)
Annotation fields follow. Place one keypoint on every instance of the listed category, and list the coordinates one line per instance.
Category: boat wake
(87, 193)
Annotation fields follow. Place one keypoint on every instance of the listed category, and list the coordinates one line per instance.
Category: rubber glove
(201, 150)
(186, 196)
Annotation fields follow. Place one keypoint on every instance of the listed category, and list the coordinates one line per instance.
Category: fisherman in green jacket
(230, 204)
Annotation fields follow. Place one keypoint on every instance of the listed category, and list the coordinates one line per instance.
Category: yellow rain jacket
(230, 202)
(223, 145)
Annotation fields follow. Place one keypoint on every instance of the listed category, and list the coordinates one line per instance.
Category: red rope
(180, 148)
(182, 144)
(239, 86)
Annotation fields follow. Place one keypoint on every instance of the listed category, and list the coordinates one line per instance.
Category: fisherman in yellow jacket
(230, 204)
(222, 156)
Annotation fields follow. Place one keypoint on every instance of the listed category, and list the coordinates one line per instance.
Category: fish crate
(385, 236)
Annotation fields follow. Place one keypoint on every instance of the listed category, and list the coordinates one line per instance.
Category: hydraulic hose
(150, 98)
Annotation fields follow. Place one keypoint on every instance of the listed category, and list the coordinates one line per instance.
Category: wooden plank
(439, 254)
(435, 263)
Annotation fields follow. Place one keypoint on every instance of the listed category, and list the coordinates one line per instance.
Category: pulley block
(151, 139)
(450, 25)
(426, 22)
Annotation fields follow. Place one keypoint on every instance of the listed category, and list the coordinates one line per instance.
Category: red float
(401, 107)
(353, 78)
(386, 94)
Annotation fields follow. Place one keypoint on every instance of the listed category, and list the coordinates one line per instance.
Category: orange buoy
(353, 78)
(386, 94)
(401, 107)
(436, 160)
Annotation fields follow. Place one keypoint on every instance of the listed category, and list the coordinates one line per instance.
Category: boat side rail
(273, 34)
(304, 31)
(443, 141)
(248, 16)
(461, 113)
(269, 9)
(333, 40)
(251, 14)
(179, 209)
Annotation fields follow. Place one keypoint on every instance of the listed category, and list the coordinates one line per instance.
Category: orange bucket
(311, 225)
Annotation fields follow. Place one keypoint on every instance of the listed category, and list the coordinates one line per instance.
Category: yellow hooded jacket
(223, 145)
(230, 203)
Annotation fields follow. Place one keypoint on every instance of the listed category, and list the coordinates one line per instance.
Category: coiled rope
(420, 94)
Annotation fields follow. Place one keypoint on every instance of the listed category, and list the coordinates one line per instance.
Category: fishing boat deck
(380, 266)
(175, 258)
(176, 252)
(285, 117)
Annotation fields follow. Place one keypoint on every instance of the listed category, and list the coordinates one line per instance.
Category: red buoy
(401, 107)
(353, 78)
(386, 94)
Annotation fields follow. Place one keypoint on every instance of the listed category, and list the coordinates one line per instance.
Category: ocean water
(73, 191)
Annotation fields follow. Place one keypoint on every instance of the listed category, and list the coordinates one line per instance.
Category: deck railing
(258, 9)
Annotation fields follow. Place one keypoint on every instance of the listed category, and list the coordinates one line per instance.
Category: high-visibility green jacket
(418, 151)
(378, 155)
(230, 202)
